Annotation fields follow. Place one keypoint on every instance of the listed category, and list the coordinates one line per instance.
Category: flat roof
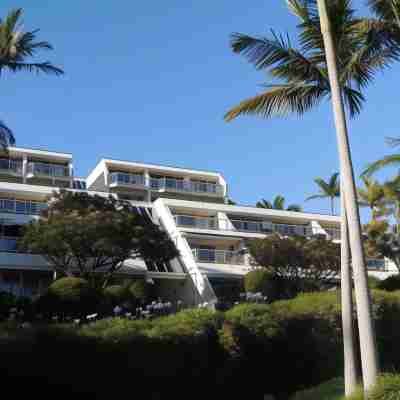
(40, 152)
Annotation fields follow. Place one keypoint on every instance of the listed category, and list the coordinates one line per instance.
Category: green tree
(6, 136)
(373, 196)
(17, 47)
(82, 235)
(338, 56)
(304, 263)
(328, 189)
(278, 204)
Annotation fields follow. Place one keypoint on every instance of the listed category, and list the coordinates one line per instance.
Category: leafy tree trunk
(350, 366)
(364, 314)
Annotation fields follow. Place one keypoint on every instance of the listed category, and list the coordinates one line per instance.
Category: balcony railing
(122, 178)
(241, 225)
(377, 264)
(11, 166)
(218, 256)
(185, 186)
(22, 206)
(47, 170)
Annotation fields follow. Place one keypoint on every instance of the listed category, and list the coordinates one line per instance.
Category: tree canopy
(81, 235)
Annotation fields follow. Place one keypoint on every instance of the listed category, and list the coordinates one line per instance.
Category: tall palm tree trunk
(364, 314)
(350, 365)
(333, 205)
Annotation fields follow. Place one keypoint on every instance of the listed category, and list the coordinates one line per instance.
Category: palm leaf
(317, 196)
(280, 101)
(391, 160)
(6, 136)
(45, 67)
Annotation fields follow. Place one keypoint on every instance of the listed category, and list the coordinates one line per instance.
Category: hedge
(387, 388)
(390, 284)
(249, 351)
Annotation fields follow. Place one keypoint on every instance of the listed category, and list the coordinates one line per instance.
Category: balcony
(44, 170)
(180, 185)
(21, 206)
(11, 167)
(218, 256)
(377, 264)
(127, 180)
(188, 221)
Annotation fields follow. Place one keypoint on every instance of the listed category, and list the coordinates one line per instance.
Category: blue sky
(150, 81)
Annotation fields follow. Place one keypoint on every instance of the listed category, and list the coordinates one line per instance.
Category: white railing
(218, 256)
(48, 170)
(241, 225)
(21, 206)
(123, 178)
(8, 165)
(185, 186)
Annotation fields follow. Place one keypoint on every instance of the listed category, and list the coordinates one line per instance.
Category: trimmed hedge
(249, 351)
(390, 284)
(261, 280)
(69, 296)
(387, 388)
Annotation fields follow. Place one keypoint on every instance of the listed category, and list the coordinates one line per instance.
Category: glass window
(20, 207)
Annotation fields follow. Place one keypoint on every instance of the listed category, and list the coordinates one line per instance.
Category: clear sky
(150, 81)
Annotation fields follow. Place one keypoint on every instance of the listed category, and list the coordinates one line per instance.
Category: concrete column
(187, 183)
(24, 167)
(71, 174)
(106, 178)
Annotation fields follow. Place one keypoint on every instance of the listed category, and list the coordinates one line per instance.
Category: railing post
(24, 167)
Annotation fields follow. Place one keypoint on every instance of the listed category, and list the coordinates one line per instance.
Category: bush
(261, 280)
(69, 297)
(387, 388)
(7, 301)
(117, 295)
(139, 290)
(373, 282)
(390, 284)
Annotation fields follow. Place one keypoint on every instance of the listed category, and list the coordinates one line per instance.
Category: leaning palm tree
(301, 79)
(278, 204)
(18, 47)
(328, 189)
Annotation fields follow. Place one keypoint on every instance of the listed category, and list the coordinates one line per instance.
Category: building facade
(190, 205)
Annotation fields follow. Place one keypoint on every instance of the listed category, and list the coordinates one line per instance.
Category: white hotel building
(190, 205)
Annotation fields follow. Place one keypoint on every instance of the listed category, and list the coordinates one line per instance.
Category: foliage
(329, 189)
(7, 301)
(390, 284)
(278, 204)
(261, 280)
(372, 231)
(299, 76)
(17, 46)
(374, 197)
(308, 264)
(117, 294)
(84, 234)
(139, 290)
(373, 282)
(69, 296)
(388, 245)
(6, 136)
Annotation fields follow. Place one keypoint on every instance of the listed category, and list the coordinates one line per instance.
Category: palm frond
(45, 67)
(279, 203)
(392, 141)
(295, 208)
(391, 160)
(385, 9)
(7, 137)
(353, 99)
(280, 100)
(316, 196)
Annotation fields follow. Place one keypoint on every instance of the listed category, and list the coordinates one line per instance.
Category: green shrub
(69, 296)
(373, 282)
(387, 388)
(390, 284)
(7, 301)
(117, 294)
(261, 280)
(139, 289)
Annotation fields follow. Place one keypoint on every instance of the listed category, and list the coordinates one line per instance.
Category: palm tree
(302, 78)
(17, 47)
(388, 161)
(328, 189)
(278, 204)
(374, 196)
(387, 11)
(6, 136)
